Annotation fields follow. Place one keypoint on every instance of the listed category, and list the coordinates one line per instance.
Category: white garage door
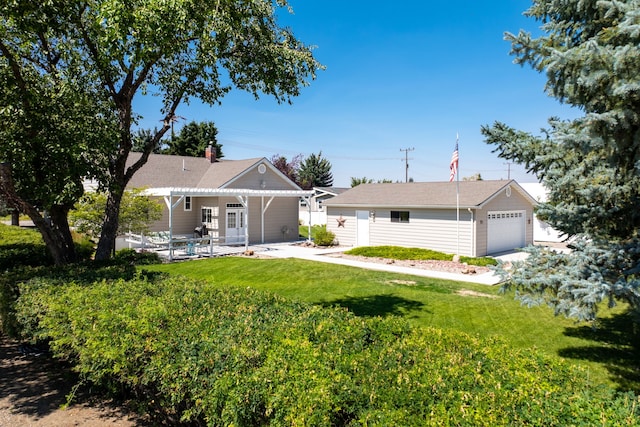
(505, 230)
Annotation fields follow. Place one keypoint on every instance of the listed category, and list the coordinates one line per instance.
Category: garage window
(399, 216)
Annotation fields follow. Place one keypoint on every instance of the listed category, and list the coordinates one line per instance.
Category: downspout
(262, 219)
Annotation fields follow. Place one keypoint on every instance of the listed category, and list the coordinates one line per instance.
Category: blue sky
(398, 75)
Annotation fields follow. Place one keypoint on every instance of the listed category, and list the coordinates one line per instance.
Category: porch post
(170, 226)
(246, 228)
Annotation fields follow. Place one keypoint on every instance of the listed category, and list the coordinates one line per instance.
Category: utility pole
(508, 170)
(406, 162)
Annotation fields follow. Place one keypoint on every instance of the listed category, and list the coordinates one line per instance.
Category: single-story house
(312, 209)
(542, 231)
(231, 201)
(481, 218)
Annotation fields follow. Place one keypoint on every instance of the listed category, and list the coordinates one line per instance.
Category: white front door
(235, 226)
(362, 228)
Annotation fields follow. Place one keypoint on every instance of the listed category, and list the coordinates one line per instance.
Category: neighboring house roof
(186, 172)
(472, 194)
(333, 191)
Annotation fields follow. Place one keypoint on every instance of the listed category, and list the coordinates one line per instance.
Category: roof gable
(473, 194)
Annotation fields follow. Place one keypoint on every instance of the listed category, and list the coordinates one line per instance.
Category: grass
(433, 302)
(397, 252)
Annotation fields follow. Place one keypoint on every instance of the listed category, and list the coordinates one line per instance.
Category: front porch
(179, 247)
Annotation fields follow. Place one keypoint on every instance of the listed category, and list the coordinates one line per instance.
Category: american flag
(453, 166)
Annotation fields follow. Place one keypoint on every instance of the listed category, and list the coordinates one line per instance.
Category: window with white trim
(187, 203)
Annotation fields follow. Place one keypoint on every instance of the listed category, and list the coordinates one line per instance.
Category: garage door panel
(505, 230)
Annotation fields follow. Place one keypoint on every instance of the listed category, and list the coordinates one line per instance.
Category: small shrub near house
(324, 237)
(241, 357)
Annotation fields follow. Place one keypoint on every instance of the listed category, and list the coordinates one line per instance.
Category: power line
(406, 162)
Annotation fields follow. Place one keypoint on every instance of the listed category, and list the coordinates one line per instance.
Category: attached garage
(490, 217)
(505, 230)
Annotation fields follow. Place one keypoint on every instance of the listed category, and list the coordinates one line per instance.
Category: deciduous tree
(289, 168)
(137, 213)
(107, 53)
(590, 52)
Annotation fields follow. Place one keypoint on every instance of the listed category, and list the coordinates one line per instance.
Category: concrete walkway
(318, 254)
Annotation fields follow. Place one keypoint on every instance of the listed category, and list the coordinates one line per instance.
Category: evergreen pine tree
(193, 140)
(315, 171)
(590, 52)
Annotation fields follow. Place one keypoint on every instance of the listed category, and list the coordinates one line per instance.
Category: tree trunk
(55, 233)
(15, 217)
(106, 244)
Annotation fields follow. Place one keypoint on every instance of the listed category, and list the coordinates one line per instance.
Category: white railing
(180, 245)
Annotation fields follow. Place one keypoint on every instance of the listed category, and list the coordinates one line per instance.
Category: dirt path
(33, 388)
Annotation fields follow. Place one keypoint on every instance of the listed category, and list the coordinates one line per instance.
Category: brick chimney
(210, 153)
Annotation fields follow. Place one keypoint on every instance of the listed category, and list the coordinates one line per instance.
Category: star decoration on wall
(341, 221)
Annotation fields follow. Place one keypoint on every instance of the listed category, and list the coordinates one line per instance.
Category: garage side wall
(435, 229)
(346, 236)
(427, 228)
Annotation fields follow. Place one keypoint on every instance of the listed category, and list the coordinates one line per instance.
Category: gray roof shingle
(186, 172)
(473, 194)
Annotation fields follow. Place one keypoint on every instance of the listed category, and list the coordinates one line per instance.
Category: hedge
(242, 357)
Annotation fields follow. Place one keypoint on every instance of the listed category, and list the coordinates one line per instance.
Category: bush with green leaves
(137, 258)
(324, 237)
(236, 356)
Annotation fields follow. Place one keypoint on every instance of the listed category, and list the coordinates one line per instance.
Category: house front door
(235, 225)
(362, 228)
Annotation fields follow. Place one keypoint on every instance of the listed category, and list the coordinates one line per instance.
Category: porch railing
(180, 245)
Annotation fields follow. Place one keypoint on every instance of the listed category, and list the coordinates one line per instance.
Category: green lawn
(430, 302)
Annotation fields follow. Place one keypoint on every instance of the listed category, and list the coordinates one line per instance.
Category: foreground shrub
(242, 357)
(137, 258)
(324, 237)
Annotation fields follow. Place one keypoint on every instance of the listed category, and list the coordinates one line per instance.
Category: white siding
(346, 236)
(429, 229)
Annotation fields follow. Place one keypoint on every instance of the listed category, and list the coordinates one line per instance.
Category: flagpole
(454, 174)
(458, 201)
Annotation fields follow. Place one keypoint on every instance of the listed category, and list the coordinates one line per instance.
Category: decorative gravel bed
(448, 266)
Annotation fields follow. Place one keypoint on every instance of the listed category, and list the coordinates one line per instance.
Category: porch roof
(212, 192)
